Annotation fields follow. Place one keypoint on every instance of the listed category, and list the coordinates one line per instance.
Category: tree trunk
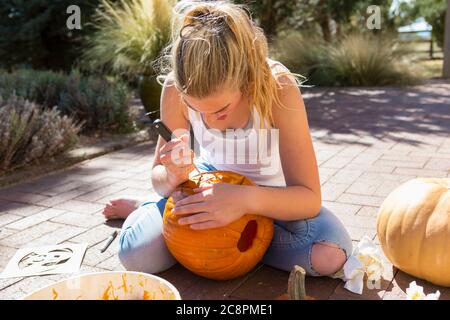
(269, 19)
(324, 23)
(446, 69)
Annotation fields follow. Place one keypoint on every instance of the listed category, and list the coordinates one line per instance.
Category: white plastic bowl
(114, 285)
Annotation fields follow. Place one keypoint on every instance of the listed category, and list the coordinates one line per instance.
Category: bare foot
(120, 208)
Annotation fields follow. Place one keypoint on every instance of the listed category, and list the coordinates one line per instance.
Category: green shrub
(129, 36)
(367, 60)
(355, 60)
(41, 87)
(29, 133)
(102, 104)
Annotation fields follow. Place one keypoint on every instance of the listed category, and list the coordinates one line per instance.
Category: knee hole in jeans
(327, 258)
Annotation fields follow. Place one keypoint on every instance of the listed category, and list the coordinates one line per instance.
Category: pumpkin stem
(296, 284)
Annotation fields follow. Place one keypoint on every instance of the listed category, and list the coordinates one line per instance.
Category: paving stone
(60, 198)
(21, 209)
(270, 284)
(98, 194)
(6, 218)
(347, 176)
(332, 191)
(326, 173)
(78, 206)
(422, 173)
(366, 158)
(324, 155)
(5, 233)
(206, 289)
(131, 193)
(58, 236)
(22, 197)
(368, 211)
(395, 157)
(368, 294)
(23, 287)
(180, 277)
(60, 188)
(94, 235)
(367, 188)
(5, 283)
(386, 188)
(352, 151)
(402, 281)
(401, 146)
(79, 219)
(357, 221)
(119, 174)
(382, 144)
(371, 168)
(443, 154)
(146, 177)
(401, 164)
(360, 199)
(112, 263)
(135, 184)
(6, 253)
(341, 208)
(27, 236)
(94, 256)
(357, 233)
(369, 176)
(98, 184)
(35, 219)
(337, 162)
(438, 164)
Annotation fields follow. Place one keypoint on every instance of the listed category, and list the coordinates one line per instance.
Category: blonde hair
(217, 43)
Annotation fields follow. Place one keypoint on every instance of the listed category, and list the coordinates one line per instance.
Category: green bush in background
(41, 87)
(29, 133)
(358, 59)
(128, 39)
(101, 104)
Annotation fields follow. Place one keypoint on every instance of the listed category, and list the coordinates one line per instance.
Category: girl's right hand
(177, 157)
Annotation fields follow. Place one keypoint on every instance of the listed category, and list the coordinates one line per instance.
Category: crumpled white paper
(415, 292)
(367, 259)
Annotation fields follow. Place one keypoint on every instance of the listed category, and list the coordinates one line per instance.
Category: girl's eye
(220, 111)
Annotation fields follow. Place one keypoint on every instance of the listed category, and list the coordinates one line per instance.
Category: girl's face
(216, 107)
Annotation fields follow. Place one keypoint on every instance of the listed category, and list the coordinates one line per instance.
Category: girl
(222, 79)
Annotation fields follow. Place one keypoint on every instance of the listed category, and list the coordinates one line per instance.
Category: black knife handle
(162, 130)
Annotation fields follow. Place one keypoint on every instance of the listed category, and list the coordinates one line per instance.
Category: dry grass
(129, 35)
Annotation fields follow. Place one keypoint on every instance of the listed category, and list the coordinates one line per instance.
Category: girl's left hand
(212, 206)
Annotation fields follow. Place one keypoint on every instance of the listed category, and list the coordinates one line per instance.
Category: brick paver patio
(367, 141)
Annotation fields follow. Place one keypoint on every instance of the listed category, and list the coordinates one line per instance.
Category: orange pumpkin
(414, 229)
(219, 253)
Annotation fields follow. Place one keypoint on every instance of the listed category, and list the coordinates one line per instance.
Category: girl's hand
(212, 206)
(177, 157)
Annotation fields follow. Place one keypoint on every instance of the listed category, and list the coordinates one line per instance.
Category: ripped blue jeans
(142, 247)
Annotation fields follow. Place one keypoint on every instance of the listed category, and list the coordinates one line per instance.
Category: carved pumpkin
(219, 253)
(414, 229)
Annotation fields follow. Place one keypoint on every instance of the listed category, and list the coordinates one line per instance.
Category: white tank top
(238, 150)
